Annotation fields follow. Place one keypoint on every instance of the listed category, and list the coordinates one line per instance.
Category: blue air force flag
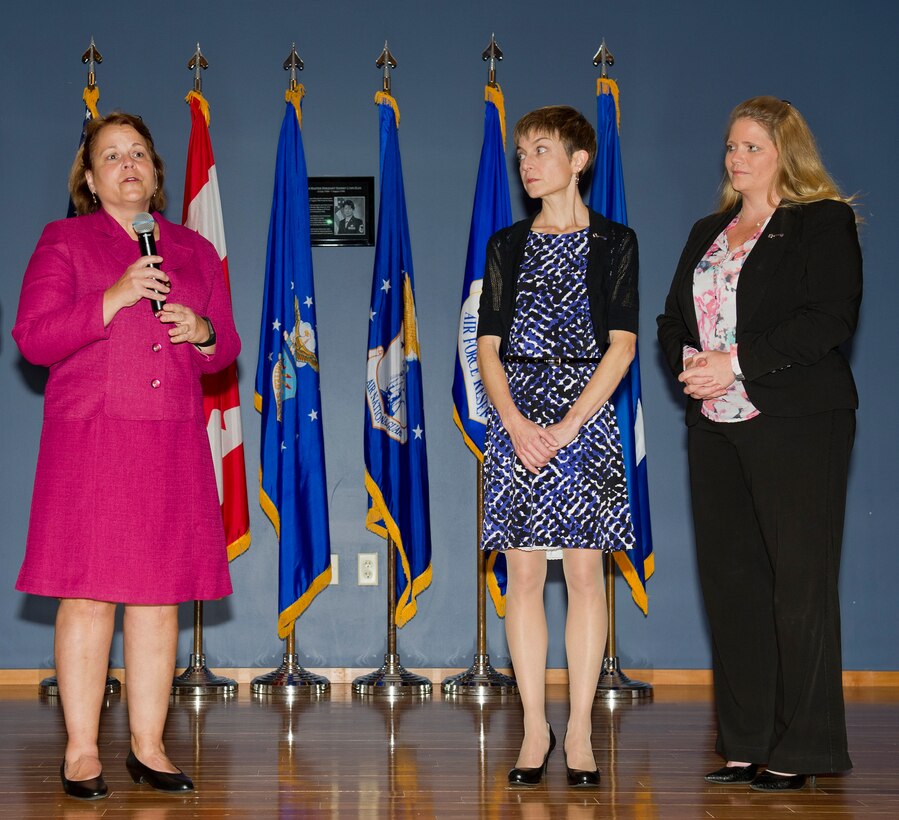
(491, 211)
(292, 473)
(396, 464)
(607, 197)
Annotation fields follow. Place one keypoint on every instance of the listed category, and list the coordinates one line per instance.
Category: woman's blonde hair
(82, 198)
(801, 175)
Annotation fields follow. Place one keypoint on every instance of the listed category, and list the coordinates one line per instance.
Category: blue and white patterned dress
(579, 500)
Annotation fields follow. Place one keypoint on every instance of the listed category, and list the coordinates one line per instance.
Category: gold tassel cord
(384, 97)
(91, 96)
(606, 86)
(201, 100)
(495, 95)
(294, 96)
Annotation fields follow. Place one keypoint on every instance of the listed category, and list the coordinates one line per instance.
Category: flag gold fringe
(466, 438)
(91, 97)
(410, 323)
(239, 547)
(638, 591)
(287, 617)
(606, 86)
(294, 96)
(384, 97)
(406, 607)
(204, 106)
(495, 95)
(499, 601)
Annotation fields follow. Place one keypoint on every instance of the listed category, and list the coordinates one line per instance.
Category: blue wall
(681, 67)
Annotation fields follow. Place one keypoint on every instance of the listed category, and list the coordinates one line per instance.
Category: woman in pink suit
(125, 506)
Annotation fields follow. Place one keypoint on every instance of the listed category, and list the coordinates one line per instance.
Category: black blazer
(611, 278)
(797, 300)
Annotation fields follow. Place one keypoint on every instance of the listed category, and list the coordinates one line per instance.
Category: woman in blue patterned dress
(557, 332)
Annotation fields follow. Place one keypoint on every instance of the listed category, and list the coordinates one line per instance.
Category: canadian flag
(221, 400)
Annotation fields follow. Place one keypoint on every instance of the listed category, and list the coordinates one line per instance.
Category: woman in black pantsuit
(765, 291)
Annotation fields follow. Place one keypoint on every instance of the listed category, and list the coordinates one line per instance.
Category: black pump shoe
(770, 782)
(581, 778)
(92, 789)
(161, 781)
(733, 774)
(533, 777)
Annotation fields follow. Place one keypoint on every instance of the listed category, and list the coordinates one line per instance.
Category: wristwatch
(211, 340)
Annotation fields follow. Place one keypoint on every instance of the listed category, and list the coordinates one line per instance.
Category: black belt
(549, 360)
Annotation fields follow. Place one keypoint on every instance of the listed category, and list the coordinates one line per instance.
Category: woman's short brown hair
(82, 198)
(562, 121)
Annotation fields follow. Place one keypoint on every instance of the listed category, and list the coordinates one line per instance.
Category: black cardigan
(611, 277)
(797, 301)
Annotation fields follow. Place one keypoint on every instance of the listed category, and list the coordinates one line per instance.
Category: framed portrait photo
(342, 210)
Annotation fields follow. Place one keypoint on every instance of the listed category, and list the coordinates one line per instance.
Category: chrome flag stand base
(198, 680)
(289, 679)
(614, 684)
(480, 680)
(49, 687)
(392, 680)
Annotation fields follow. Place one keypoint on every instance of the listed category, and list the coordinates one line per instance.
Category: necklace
(757, 224)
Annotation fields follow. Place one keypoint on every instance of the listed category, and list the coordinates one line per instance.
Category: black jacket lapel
(763, 261)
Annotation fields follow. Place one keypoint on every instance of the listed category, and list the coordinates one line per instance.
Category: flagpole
(392, 679)
(49, 687)
(613, 683)
(197, 679)
(481, 678)
(290, 678)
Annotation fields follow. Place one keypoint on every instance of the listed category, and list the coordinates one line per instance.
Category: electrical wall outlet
(335, 569)
(368, 569)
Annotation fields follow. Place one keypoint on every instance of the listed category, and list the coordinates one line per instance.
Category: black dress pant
(769, 498)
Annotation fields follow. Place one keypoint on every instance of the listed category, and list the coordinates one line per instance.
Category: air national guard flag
(396, 463)
(293, 488)
(202, 212)
(490, 212)
(607, 197)
(90, 96)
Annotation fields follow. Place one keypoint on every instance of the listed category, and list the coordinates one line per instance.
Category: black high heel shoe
(533, 777)
(733, 774)
(161, 781)
(770, 782)
(91, 789)
(579, 778)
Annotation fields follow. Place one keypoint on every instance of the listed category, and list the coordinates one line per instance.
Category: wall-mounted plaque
(342, 210)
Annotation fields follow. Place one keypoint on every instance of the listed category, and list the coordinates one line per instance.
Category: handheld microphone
(144, 225)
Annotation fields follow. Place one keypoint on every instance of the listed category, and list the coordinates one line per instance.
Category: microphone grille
(143, 223)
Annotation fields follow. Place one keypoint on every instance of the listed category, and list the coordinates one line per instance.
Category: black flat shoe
(733, 774)
(533, 777)
(581, 778)
(770, 782)
(93, 789)
(161, 781)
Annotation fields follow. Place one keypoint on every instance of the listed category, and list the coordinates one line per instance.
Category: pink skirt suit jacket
(125, 505)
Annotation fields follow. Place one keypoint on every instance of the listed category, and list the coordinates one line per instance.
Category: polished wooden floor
(340, 756)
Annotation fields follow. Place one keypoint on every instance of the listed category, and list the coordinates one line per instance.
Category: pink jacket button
(155, 383)
(157, 347)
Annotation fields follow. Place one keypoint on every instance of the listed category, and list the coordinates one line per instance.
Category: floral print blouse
(715, 300)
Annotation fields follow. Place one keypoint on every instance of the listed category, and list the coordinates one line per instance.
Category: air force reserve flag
(292, 473)
(607, 197)
(396, 464)
(490, 212)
